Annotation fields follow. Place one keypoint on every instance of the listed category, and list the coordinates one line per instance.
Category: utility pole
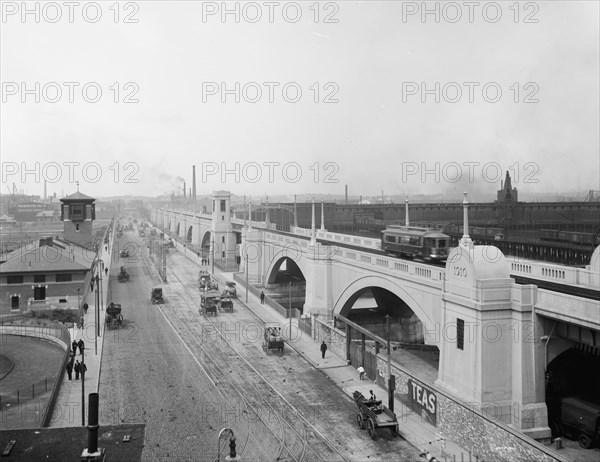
(247, 276)
(290, 305)
(213, 255)
(96, 314)
(391, 381)
(83, 387)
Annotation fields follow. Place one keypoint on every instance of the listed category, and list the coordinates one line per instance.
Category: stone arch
(206, 242)
(355, 288)
(278, 259)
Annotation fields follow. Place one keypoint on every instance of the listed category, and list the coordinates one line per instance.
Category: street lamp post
(78, 302)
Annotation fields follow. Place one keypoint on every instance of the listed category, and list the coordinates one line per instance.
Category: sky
(378, 96)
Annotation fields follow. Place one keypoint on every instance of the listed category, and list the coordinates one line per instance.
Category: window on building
(64, 277)
(76, 227)
(39, 293)
(77, 211)
(14, 279)
(222, 205)
(222, 254)
(223, 239)
(39, 278)
(460, 334)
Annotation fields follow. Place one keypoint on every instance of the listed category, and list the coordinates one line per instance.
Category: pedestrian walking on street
(361, 372)
(85, 308)
(83, 370)
(323, 349)
(106, 271)
(262, 298)
(81, 346)
(76, 368)
(70, 370)
(74, 345)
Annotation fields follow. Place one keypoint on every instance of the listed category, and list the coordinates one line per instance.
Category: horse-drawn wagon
(231, 289)
(273, 340)
(209, 303)
(113, 317)
(156, 296)
(226, 304)
(123, 275)
(373, 415)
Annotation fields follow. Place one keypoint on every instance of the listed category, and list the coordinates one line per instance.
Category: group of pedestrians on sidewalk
(74, 365)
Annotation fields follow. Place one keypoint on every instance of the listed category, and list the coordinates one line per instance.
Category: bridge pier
(319, 282)
(488, 350)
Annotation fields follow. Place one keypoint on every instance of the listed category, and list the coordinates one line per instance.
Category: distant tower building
(507, 193)
(78, 211)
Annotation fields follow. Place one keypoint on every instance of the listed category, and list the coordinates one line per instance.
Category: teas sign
(423, 399)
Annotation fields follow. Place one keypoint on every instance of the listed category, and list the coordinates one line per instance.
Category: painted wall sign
(423, 399)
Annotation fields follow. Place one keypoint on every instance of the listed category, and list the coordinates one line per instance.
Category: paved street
(187, 377)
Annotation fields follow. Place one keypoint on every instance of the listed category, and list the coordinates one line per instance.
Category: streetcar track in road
(304, 424)
(150, 273)
(282, 442)
(249, 429)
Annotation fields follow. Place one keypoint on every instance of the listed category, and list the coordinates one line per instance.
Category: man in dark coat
(81, 346)
(70, 370)
(76, 368)
(323, 349)
(262, 298)
(83, 370)
(74, 346)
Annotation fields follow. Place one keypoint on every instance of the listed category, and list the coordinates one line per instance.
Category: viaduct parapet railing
(519, 267)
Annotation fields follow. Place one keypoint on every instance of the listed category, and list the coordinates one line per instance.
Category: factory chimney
(184, 189)
(194, 183)
(346, 194)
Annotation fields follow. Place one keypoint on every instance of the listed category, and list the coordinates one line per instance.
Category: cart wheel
(584, 441)
(395, 430)
(360, 421)
(371, 428)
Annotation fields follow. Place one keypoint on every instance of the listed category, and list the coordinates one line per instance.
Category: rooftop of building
(48, 255)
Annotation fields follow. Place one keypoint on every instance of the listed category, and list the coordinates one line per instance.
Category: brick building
(52, 272)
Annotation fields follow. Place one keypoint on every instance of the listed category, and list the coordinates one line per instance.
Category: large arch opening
(382, 312)
(189, 234)
(574, 373)
(205, 245)
(286, 284)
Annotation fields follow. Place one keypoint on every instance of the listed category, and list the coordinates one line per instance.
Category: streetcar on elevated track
(415, 242)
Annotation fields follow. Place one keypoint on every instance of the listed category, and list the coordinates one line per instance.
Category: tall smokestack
(346, 194)
(184, 189)
(194, 183)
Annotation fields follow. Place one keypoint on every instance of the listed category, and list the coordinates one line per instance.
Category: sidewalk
(67, 412)
(419, 433)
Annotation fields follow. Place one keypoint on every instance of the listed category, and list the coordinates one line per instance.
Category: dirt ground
(187, 377)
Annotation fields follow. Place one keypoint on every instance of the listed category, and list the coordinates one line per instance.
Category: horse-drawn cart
(272, 338)
(123, 275)
(226, 304)
(156, 296)
(209, 302)
(113, 317)
(373, 415)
